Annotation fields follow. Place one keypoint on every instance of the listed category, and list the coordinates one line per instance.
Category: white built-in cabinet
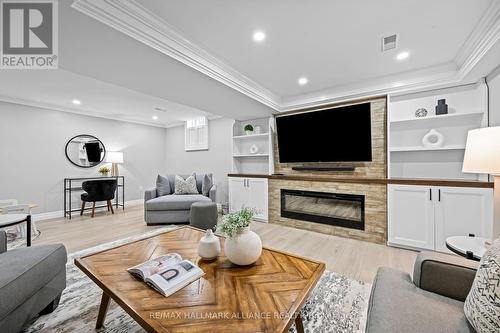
(249, 192)
(423, 217)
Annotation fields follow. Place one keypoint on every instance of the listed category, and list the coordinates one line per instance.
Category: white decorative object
(209, 246)
(433, 139)
(257, 129)
(254, 149)
(243, 249)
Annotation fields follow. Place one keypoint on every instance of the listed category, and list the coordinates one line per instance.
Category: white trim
(60, 214)
(481, 40)
(133, 19)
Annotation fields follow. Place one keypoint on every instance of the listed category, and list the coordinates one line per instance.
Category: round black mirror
(85, 151)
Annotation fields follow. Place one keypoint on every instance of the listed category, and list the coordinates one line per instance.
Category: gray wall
(217, 159)
(494, 107)
(33, 163)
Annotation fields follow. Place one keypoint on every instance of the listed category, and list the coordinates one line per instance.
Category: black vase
(441, 107)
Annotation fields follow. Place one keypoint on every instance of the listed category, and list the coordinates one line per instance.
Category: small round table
(7, 220)
(470, 247)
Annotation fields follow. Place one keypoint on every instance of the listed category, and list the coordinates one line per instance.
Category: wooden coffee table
(264, 297)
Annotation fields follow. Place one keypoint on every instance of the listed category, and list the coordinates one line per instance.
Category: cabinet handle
(430, 194)
(439, 195)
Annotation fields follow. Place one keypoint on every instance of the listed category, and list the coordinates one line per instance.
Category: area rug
(337, 304)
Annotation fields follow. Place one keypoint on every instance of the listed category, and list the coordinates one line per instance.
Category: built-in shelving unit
(259, 161)
(407, 155)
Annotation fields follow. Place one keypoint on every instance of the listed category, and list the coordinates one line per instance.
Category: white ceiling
(56, 89)
(123, 58)
(332, 43)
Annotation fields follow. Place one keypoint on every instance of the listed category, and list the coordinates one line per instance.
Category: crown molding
(132, 19)
(485, 34)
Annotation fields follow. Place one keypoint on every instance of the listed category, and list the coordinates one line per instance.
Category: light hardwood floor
(355, 259)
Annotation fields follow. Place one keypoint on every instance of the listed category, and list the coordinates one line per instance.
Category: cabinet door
(258, 197)
(238, 193)
(410, 216)
(461, 211)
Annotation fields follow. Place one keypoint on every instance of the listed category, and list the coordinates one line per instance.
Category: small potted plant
(242, 246)
(104, 171)
(248, 129)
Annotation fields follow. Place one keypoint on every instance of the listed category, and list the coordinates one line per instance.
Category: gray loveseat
(174, 208)
(432, 302)
(31, 282)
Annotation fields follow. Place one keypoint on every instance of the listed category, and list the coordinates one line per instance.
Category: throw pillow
(482, 305)
(162, 186)
(207, 184)
(185, 186)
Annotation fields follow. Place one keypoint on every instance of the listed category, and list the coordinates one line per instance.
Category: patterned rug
(337, 304)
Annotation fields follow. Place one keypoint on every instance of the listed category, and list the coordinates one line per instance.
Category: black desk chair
(98, 190)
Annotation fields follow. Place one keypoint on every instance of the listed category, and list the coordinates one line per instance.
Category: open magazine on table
(167, 274)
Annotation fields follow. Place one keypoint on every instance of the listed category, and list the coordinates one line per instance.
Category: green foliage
(104, 170)
(248, 127)
(234, 222)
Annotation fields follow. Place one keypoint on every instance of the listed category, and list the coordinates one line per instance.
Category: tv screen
(333, 135)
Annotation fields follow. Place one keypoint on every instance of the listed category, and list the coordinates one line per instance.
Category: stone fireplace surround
(362, 181)
(375, 226)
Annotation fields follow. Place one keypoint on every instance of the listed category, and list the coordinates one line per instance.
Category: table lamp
(482, 155)
(114, 157)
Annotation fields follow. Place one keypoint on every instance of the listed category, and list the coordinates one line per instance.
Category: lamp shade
(114, 157)
(482, 151)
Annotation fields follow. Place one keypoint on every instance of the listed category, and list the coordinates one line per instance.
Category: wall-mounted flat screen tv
(341, 134)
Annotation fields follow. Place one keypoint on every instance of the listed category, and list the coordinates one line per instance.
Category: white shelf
(250, 136)
(419, 148)
(251, 155)
(435, 119)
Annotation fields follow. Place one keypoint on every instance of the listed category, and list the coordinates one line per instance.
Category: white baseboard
(59, 213)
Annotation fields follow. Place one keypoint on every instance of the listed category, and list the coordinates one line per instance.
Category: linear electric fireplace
(343, 210)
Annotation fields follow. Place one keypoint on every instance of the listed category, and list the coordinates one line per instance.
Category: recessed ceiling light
(76, 102)
(403, 55)
(303, 80)
(155, 117)
(259, 36)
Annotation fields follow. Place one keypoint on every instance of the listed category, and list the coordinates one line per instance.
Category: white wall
(216, 160)
(33, 163)
(494, 107)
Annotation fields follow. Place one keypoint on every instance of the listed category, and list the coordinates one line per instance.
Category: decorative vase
(420, 113)
(104, 174)
(209, 246)
(248, 132)
(441, 107)
(433, 139)
(254, 149)
(244, 249)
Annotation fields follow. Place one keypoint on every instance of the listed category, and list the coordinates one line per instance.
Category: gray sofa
(173, 208)
(432, 302)
(31, 282)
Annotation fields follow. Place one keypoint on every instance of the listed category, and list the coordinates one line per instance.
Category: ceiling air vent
(160, 109)
(389, 42)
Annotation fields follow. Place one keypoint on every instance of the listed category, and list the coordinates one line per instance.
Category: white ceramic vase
(248, 132)
(433, 139)
(244, 249)
(209, 246)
